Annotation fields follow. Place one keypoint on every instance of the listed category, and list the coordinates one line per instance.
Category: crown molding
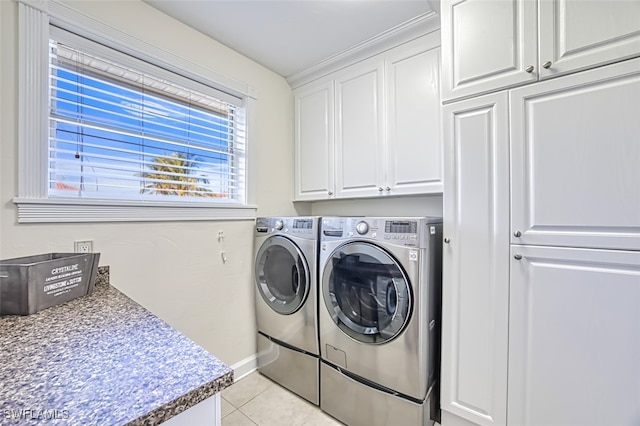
(403, 33)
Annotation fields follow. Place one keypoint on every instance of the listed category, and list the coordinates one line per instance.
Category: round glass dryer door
(282, 275)
(366, 292)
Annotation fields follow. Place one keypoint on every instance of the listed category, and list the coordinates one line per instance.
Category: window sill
(34, 210)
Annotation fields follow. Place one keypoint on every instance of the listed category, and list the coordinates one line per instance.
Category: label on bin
(62, 280)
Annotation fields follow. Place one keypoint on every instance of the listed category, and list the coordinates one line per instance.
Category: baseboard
(245, 367)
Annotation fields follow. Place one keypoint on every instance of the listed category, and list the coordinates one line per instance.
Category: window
(117, 132)
(122, 133)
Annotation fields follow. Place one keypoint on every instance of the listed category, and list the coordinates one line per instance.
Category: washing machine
(379, 318)
(285, 270)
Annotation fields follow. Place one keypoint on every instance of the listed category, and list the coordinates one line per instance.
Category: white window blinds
(121, 128)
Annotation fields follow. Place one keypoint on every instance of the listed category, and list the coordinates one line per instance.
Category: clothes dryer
(285, 270)
(379, 318)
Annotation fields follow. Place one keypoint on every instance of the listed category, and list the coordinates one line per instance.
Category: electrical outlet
(85, 246)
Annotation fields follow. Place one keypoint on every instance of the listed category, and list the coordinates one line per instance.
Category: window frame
(33, 202)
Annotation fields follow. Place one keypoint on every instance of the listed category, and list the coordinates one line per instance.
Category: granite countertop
(101, 359)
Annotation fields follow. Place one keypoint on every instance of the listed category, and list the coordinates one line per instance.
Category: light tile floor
(256, 400)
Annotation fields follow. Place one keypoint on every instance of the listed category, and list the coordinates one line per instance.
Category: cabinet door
(475, 261)
(576, 160)
(359, 130)
(579, 34)
(574, 337)
(314, 142)
(414, 141)
(487, 45)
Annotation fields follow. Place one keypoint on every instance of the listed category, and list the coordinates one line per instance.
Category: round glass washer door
(282, 275)
(366, 292)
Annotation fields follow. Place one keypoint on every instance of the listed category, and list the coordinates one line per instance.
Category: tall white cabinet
(574, 326)
(541, 297)
(476, 260)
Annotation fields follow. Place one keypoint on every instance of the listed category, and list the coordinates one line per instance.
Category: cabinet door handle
(517, 234)
(330, 192)
(529, 69)
(447, 240)
(387, 189)
(380, 189)
(546, 65)
(517, 256)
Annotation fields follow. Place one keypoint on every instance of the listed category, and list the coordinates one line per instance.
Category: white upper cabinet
(314, 126)
(414, 140)
(497, 44)
(578, 34)
(575, 146)
(475, 290)
(574, 337)
(359, 129)
(373, 128)
(487, 45)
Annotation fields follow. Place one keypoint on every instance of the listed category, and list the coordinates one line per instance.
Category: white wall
(172, 268)
(426, 205)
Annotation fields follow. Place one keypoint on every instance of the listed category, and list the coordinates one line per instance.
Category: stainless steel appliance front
(285, 269)
(379, 305)
(355, 403)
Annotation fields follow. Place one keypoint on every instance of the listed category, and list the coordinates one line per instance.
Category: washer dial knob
(362, 227)
(279, 225)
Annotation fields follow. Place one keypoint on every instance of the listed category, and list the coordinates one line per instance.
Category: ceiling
(291, 36)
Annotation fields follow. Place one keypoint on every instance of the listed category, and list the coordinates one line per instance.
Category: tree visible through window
(174, 176)
(116, 132)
